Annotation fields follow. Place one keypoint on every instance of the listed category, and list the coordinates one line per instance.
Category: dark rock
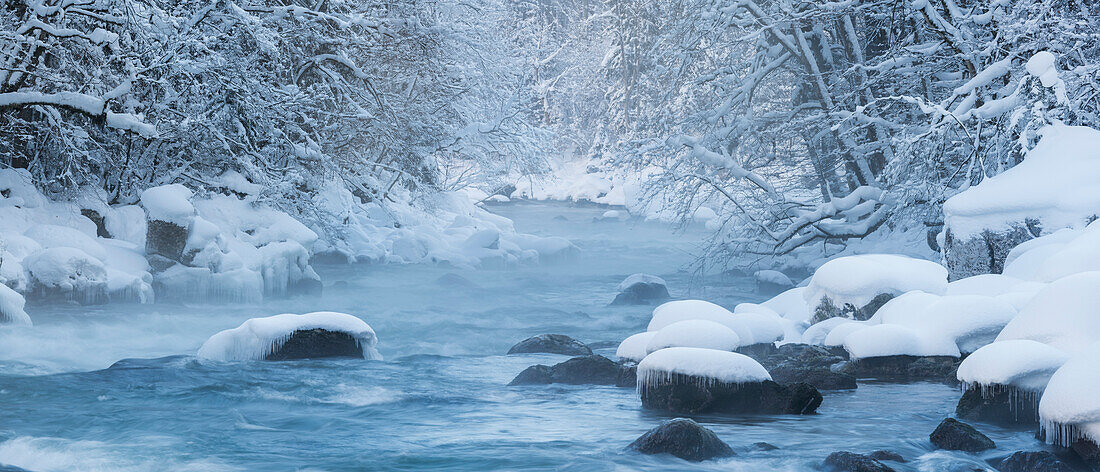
(954, 435)
(1033, 461)
(763, 446)
(827, 309)
(1000, 404)
(886, 456)
(683, 438)
(845, 461)
(165, 239)
(686, 394)
(758, 350)
(1088, 451)
(603, 344)
(159, 263)
(100, 225)
(551, 344)
(316, 344)
(904, 368)
(642, 293)
(454, 280)
(591, 370)
(984, 253)
(821, 378)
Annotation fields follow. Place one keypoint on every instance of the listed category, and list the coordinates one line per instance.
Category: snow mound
(838, 334)
(633, 348)
(791, 305)
(169, 203)
(709, 364)
(971, 321)
(259, 337)
(11, 307)
(773, 277)
(1070, 408)
(1058, 184)
(1062, 315)
(1057, 255)
(989, 285)
(856, 280)
(640, 279)
(818, 332)
(695, 333)
(67, 272)
(758, 327)
(681, 310)
(896, 340)
(1024, 364)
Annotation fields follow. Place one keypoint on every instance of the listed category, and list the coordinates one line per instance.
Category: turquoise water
(116, 387)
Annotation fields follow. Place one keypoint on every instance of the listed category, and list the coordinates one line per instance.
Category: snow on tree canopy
(11, 307)
(896, 340)
(709, 364)
(1021, 363)
(169, 203)
(1070, 407)
(858, 279)
(680, 310)
(640, 279)
(1063, 315)
(259, 337)
(1058, 184)
(633, 348)
(695, 333)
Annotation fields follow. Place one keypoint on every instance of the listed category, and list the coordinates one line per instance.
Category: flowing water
(116, 387)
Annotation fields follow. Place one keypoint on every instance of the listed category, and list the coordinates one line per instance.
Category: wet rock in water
(1088, 451)
(763, 446)
(683, 438)
(955, 435)
(641, 289)
(591, 370)
(884, 455)
(316, 344)
(822, 378)
(551, 344)
(686, 394)
(998, 404)
(453, 280)
(904, 368)
(1033, 461)
(603, 344)
(845, 461)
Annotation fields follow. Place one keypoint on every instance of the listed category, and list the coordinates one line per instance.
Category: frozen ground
(439, 400)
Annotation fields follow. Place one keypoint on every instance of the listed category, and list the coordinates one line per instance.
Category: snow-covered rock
(856, 286)
(1051, 257)
(695, 333)
(1069, 410)
(66, 273)
(641, 289)
(1062, 315)
(1004, 380)
(971, 321)
(791, 305)
(633, 348)
(681, 310)
(1056, 186)
(772, 281)
(319, 334)
(11, 307)
(888, 340)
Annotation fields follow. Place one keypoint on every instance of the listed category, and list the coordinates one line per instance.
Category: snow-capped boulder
(856, 286)
(695, 333)
(1034, 461)
(694, 380)
(169, 213)
(896, 352)
(971, 321)
(641, 289)
(681, 310)
(1062, 315)
(816, 334)
(551, 344)
(1004, 380)
(791, 305)
(66, 273)
(11, 307)
(683, 438)
(290, 336)
(1056, 186)
(772, 281)
(1069, 410)
(633, 348)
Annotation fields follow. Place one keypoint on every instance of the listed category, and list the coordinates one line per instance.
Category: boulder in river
(1033, 461)
(593, 370)
(683, 438)
(844, 461)
(998, 404)
(955, 435)
(904, 368)
(317, 344)
(884, 455)
(551, 344)
(289, 336)
(810, 364)
(641, 289)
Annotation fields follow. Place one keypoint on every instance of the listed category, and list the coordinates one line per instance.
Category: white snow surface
(896, 340)
(1070, 400)
(259, 337)
(633, 348)
(695, 333)
(709, 364)
(773, 277)
(791, 305)
(1062, 315)
(640, 279)
(169, 203)
(858, 279)
(1051, 257)
(11, 307)
(816, 333)
(1058, 184)
(1020, 363)
(680, 310)
(971, 321)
